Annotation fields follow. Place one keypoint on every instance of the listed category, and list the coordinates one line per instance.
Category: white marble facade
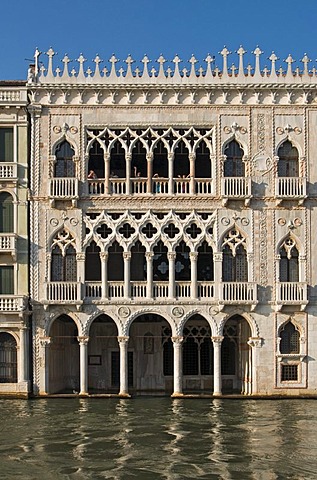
(171, 228)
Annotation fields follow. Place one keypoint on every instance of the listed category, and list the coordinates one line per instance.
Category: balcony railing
(93, 289)
(8, 243)
(204, 186)
(12, 303)
(160, 289)
(63, 292)
(183, 289)
(289, 293)
(160, 185)
(138, 289)
(63, 187)
(116, 289)
(118, 186)
(8, 170)
(181, 185)
(96, 187)
(238, 292)
(236, 187)
(290, 187)
(206, 290)
(139, 185)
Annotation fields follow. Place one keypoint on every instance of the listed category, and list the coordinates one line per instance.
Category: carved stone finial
(305, 60)
(257, 52)
(241, 52)
(225, 52)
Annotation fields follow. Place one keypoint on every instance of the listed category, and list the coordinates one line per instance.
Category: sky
(139, 27)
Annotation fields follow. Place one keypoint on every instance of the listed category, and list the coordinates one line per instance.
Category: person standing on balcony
(92, 174)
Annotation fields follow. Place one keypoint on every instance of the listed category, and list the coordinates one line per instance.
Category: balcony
(236, 188)
(160, 185)
(238, 293)
(63, 188)
(116, 290)
(291, 293)
(204, 186)
(290, 188)
(8, 243)
(8, 171)
(93, 290)
(160, 290)
(12, 303)
(66, 293)
(206, 290)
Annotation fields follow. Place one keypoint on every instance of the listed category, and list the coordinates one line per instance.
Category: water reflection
(158, 438)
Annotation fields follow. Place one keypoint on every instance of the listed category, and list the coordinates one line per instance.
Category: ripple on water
(158, 439)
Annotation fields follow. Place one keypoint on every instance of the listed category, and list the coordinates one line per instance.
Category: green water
(158, 438)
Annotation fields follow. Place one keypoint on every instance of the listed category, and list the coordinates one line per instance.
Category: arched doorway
(103, 356)
(236, 356)
(197, 355)
(150, 356)
(8, 358)
(63, 358)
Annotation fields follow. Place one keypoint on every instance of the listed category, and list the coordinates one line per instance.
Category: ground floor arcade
(146, 355)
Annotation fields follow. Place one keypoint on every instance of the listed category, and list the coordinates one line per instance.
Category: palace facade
(171, 228)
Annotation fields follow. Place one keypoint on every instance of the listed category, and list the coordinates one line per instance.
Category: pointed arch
(288, 160)
(64, 165)
(96, 161)
(92, 262)
(234, 165)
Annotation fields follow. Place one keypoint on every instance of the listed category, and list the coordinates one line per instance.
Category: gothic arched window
(288, 165)
(205, 264)
(203, 162)
(160, 262)
(96, 161)
(64, 166)
(6, 213)
(234, 261)
(139, 162)
(234, 165)
(289, 339)
(182, 262)
(160, 161)
(63, 264)
(289, 266)
(117, 161)
(181, 160)
(92, 263)
(115, 263)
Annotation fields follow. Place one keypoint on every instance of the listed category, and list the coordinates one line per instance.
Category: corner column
(192, 158)
(149, 158)
(178, 366)
(128, 159)
(217, 341)
(255, 344)
(23, 358)
(123, 345)
(44, 365)
(218, 275)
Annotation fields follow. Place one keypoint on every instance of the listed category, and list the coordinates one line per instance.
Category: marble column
(178, 366)
(80, 258)
(23, 374)
(44, 365)
(218, 276)
(123, 345)
(104, 279)
(149, 274)
(193, 269)
(171, 274)
(192, 158)
(107, 173)
(127, 262)
(83, 354)
(128, 159)
(170, 157)
(217, 341)
(255, 344)
(149, 158)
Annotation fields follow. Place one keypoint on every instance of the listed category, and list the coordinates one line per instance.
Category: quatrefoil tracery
(234, 239)
(63, 240)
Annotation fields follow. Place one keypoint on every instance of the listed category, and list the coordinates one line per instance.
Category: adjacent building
(14, 259)
(172, 216)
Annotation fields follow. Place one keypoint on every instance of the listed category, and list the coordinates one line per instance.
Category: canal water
(158, 438)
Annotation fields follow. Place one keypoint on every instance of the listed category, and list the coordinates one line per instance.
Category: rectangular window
(6, 280)
(289, 373)
(6, 144)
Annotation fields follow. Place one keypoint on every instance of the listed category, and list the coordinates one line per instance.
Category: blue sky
(153, 27)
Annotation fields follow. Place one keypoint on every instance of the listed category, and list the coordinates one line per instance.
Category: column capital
(123, 340)
(80, 257)
(177, 340)
(45, 341)
(218, 257)
(149, 156)
(103, 256)
(255, 342)
(127, 255)
(217, 340)
(192, 156)
(128, 156)
(149, 255)
(83, 340)
(107, 155)
(170, 156)
(193, 256)
(171, 255)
